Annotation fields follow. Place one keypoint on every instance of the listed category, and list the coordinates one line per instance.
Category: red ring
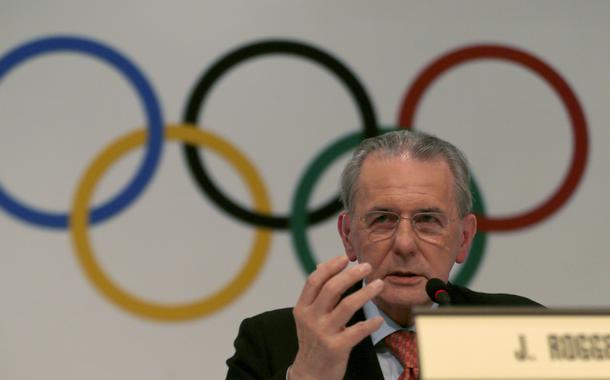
(557, 83)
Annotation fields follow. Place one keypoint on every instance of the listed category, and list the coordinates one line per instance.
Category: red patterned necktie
(404, 346)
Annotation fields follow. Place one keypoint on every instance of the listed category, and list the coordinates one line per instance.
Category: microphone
(437, 291)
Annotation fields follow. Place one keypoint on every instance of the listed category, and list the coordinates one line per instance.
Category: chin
(403, 298)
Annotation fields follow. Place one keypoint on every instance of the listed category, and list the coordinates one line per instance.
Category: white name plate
(504, 344)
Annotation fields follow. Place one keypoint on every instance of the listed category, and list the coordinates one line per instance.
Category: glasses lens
(430, 223)
(380, 224)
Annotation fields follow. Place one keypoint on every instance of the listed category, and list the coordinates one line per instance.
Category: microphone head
(437, 291)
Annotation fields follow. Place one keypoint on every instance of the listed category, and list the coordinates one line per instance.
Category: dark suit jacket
(267, 344)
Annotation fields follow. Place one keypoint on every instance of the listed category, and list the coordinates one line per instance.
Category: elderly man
(407, 219)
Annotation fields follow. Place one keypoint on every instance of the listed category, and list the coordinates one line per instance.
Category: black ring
(207, 81)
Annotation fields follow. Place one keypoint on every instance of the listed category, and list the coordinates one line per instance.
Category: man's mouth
(404, 277)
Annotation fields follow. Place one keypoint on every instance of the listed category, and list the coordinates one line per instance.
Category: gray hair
(419, 146)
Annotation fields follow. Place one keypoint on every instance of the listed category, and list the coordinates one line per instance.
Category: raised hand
(321, 316)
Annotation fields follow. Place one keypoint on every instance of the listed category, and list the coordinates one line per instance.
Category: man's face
(404, 261)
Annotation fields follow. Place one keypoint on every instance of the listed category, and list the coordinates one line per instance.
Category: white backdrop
(174, 245)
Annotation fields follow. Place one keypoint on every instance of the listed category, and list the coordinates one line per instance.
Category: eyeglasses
(428, 226)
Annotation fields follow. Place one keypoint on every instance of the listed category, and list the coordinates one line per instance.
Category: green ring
(475, 255)
(299, 220)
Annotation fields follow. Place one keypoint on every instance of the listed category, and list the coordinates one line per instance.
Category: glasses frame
(431, 238)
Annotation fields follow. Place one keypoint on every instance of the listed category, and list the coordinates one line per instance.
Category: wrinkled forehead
(401, 177)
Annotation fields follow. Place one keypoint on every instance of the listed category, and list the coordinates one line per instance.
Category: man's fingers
(318, 278)
(355, 333)
(345, 309)
(335, 287)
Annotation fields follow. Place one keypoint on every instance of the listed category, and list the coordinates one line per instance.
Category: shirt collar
(388, 326)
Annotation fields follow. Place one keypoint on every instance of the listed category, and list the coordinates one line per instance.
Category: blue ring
(153, 115)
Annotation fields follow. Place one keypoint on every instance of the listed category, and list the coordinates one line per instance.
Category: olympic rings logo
(80, 217)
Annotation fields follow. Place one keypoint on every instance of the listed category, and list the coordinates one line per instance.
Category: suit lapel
(362, 363)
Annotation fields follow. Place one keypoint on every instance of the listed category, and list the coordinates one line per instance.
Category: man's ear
(469, 229)
(344, 227)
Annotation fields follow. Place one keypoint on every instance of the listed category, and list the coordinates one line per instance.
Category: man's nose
(404, 236)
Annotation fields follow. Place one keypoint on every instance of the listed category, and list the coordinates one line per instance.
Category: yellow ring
(79, 222)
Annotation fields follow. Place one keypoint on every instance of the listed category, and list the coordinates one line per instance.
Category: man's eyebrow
(429, 209)
(387, 209)
(415, 211)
